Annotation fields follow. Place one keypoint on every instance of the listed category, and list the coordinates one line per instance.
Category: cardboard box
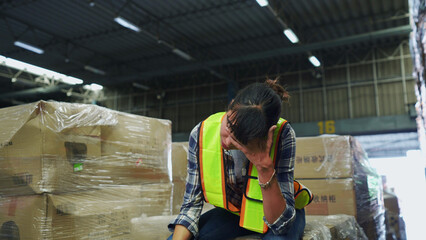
(327, 157)
(43, 151)
(58, 147)
(179, 160)
(331, 196)
(339, 227)
(97, 214)
(391, 202)
(137, 149)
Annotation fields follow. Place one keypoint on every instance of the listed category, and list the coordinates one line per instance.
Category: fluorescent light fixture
(29, 47)
(182, 54)
(314, 61)
(125, 23)
(143, 87)
(291, 36)
(94, 70)
(262, 3)
(72, 80)
(93, 87)
(39, 71)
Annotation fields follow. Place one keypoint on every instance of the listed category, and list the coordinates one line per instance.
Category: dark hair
(255, 109)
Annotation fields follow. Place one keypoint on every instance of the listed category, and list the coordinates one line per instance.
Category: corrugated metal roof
(224, 31)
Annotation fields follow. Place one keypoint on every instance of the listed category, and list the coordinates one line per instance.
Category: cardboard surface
(97, 214)
(324, 157)
(179, 160)
(22, 217)
(137, 149)
(37, 159)
(53, 147)
(391, 202)
(331, 196)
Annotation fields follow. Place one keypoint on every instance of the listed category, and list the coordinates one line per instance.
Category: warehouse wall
(370, 83)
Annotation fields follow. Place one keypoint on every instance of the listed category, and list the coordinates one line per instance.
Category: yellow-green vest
(213, 180)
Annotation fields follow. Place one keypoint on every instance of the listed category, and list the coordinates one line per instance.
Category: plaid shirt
(193, 198)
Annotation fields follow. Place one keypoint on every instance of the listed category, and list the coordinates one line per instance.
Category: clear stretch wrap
(337, 170)
(179, 166)
(78, 171)
(104, 213)
(338, 227)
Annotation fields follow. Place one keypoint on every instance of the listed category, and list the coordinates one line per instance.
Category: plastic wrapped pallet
(179, 169)
(337, 170)
(54, 147)
(418, 53)
(97, 214)
(179, 160)
(339, 227)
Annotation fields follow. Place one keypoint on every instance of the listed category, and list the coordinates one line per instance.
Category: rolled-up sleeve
(285, 175)
(193, 199)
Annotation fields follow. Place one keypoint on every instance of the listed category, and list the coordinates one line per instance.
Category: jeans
(219, 224)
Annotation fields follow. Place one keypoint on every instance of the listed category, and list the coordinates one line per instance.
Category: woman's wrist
(265, 172)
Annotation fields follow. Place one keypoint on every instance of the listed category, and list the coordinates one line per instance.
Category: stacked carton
(337, 171)
(76, 171)
(179, 166)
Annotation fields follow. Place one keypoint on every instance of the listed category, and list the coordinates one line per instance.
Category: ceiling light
(182, 54)
(125, 23)
(143, 87)
(94, 70)
(72, 80)
(29, 47)
(291, 36)
(314, 61)
(93, 87)
(39, 71)
(262, 3)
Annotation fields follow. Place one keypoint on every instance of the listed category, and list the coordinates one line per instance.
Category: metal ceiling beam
(370, 36)
(32, 91)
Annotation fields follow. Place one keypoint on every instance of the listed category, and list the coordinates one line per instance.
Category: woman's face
(226, 136)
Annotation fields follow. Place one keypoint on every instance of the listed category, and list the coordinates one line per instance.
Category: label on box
(78, 167)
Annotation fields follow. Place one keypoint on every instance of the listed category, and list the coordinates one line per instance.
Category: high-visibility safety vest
(212, 172)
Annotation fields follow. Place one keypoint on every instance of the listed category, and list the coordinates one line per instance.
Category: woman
(242, 161)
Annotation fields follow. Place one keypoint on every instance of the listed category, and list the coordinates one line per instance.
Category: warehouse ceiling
(172, 40)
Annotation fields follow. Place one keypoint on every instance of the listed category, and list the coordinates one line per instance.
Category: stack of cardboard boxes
(75, 171)
(395, 225)
(337, 171)
(179, 166)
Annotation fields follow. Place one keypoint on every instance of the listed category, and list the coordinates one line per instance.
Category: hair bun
(278, 89)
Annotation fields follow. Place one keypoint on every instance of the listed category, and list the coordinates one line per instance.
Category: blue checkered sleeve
(193, 199)
(285, 176)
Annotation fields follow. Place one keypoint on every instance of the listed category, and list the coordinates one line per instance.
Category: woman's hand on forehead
(259, 157)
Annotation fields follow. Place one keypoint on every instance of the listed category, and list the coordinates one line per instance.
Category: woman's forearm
(274, 203)
(181, 233)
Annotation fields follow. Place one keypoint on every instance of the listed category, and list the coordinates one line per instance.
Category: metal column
(404, 86)
(376, 89)
(301, 97)
(348, 79)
